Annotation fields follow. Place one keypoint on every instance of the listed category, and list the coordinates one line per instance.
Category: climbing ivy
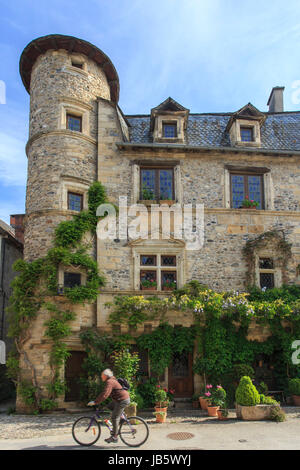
(36, 283)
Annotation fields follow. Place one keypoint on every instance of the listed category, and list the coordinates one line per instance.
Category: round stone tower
(65, 77)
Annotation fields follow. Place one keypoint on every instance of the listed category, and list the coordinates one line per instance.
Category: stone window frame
(136, 179)
(78, 110)
(158, 249)
(162, 119)
(268, 192)
(62, 269)
(71, 186)
(277, 271)
(235, 132)
(78, 59)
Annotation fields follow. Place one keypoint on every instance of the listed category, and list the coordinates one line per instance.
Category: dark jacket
(114, 389)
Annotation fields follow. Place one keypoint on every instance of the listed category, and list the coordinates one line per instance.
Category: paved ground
(49, 432)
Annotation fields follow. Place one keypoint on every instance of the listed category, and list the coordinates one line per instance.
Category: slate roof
(280, 131)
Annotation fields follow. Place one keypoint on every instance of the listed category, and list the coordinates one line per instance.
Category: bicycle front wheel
(134, 432)
(86, 431)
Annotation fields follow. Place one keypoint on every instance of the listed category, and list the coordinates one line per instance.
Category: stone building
(78, 134)
(11, 249)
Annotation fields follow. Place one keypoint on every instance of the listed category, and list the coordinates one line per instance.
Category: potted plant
(147, 284)
(170, 396)
(204, 398)
(148, 196)
(169, 285)
(161, 399)
(223, 413)
(249, 203)
(250, 405)
(294, 389)
(161, 416)
(216, 400)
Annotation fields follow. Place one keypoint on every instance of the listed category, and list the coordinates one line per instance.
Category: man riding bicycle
(120, 397)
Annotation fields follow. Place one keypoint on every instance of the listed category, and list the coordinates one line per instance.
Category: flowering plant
(170, 393)
(148, 283)
(161, 397)
(169, 284)
(216, 395)
(249, 202)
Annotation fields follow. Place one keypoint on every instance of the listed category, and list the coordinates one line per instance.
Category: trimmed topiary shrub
(267, 400)
(246, 394)
(294, 386)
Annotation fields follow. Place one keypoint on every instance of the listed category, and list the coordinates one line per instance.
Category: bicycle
(133, 431)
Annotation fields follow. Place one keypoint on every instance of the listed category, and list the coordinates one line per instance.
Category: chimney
(17, 223)
(275, 102)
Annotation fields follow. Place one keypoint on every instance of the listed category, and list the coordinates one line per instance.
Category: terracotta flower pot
(213, 411)
(149, 288)
(161, 418)
(203, 403)
(163, 409)
(296, 400)
(220, 415)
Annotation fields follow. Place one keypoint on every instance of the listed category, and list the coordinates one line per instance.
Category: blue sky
(209, 55)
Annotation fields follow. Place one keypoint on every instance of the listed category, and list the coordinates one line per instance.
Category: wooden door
(181, 375)
(73, 371)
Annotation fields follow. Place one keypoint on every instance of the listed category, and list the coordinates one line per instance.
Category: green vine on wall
(36, 283)
(220, 326)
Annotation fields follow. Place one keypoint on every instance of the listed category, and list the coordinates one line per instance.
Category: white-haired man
(119, 396)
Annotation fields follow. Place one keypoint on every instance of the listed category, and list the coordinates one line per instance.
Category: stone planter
(254, 413)
(296, 400)
(238, 410)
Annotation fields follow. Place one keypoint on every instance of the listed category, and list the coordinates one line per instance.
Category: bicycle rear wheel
(86, 431)
(134, 432)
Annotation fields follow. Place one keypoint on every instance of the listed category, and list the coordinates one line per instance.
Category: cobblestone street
(54, 431)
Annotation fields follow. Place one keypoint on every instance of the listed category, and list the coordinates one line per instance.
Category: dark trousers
(119, 407)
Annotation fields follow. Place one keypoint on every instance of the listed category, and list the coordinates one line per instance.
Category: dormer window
(169, 130)
(244, 127)
(168, 122)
